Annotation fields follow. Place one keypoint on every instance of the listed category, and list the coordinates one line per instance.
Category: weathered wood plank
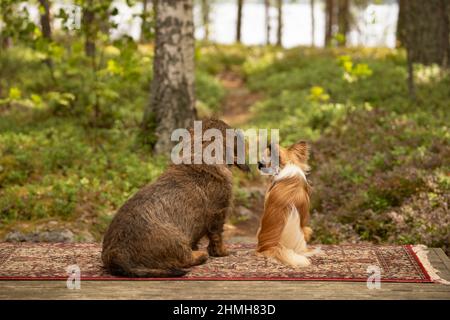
(219, 290)
(443, 257)
(440, 261)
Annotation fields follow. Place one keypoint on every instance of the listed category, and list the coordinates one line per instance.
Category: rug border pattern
(408, 248)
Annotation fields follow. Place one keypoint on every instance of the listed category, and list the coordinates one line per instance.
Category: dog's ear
(301, 150)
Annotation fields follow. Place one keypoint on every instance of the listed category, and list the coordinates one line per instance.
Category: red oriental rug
(49, 261)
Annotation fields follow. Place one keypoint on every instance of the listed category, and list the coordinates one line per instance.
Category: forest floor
(371, 181)
(238, 99)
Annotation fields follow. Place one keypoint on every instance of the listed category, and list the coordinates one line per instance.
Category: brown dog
(156, 232)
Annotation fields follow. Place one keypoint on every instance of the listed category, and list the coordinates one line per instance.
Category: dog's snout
(260, 164)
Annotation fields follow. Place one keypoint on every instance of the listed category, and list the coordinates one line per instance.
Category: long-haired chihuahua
(284, 231)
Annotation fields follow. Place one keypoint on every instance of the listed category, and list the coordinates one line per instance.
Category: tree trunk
(313, 25)
(280, 23)
(343, 20)
(448, 30)
(45, 19)
(88, 21)
(205, 18)
(426, 36)
(400, 32)
(240, 4)
(4, 42)
(267, 20)
(411, 84)
(8, 10)
(172, 102)
(143, 38)
(47, 32)
(329, 21)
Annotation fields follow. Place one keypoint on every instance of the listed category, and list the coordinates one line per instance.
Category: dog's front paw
(301, 261)
(218, 251)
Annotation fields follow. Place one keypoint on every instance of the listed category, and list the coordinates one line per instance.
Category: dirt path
(244, 221)
(236, 109)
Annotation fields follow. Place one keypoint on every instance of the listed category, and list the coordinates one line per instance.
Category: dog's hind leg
(198, 257)
(311, 252)
(195, 242)
(290, 257)
(216, 247)
(287, 256)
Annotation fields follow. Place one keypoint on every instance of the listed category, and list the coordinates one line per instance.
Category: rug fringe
(422, 253)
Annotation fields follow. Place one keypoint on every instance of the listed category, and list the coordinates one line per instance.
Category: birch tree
(172, 90)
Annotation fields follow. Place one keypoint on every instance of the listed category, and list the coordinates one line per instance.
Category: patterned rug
(49, 261)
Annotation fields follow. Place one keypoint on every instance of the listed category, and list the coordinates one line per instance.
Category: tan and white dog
(284, 231)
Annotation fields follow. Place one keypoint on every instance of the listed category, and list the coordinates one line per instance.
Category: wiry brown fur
(156, 232)
(281, 197)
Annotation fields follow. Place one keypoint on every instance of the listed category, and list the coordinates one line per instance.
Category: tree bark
(426, 36)
(240, 4)
(205, 19)
(8, 11)
(343, 20)
(45, 19)
(280, 23)
(143, 38)
(88, 21)
(313, 25)
(400, 32)
(448, 30)
(4, 42)
(329, 21)
(172, 102)
(267, 20)
(411, 84)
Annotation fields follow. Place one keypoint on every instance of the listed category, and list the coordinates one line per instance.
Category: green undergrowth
(69, 151)
(380, 161)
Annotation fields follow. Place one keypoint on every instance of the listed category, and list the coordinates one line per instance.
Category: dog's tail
(287, 256)
(144, 272)
(118, 266)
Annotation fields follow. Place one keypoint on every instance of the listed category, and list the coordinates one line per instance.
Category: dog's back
(283, 232)
(153, 233)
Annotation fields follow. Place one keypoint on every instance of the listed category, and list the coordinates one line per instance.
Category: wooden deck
(231, 289)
